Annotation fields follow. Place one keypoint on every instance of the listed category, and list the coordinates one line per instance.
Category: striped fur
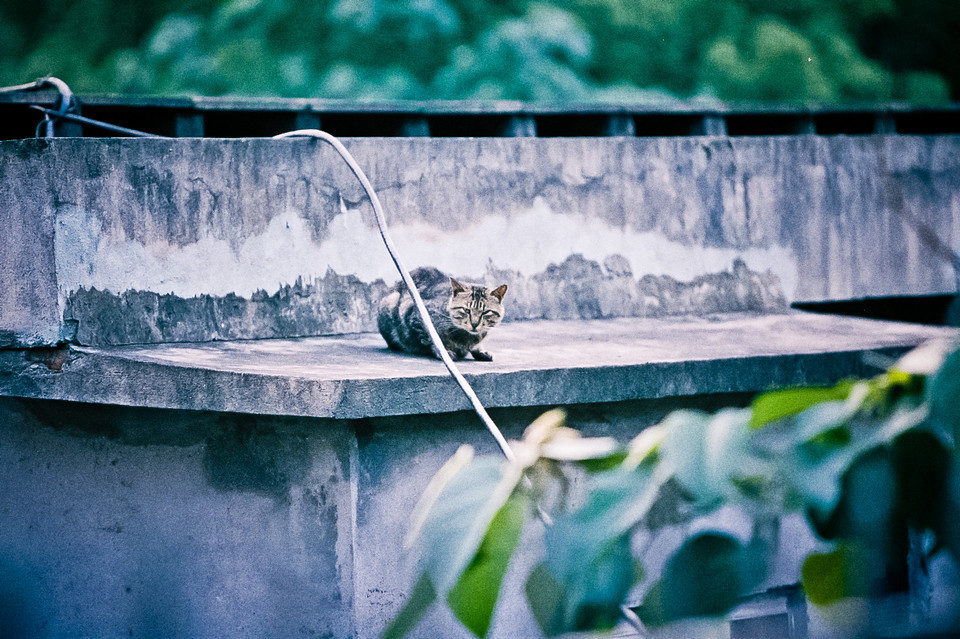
(463, 314)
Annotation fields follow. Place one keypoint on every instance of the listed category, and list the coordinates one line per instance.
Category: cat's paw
(454, 355)
(481, 356)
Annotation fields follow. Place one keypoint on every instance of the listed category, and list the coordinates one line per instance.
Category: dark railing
(263, 117)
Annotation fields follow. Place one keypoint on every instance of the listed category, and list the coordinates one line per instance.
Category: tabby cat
(461, 313)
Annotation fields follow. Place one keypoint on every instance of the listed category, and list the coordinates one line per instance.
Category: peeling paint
(576, 288)
(229, 233)
(324, 306)
(90, 257)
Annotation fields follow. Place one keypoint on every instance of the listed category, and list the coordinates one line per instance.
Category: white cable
(414, 293)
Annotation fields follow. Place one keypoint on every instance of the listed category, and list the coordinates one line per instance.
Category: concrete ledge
(536, 364)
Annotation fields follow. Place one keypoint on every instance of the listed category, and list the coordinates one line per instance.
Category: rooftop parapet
(232, 117)
(128, 241)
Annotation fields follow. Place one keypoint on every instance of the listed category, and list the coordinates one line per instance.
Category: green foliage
(589, 558)
(455, 529)
(863, 460)
(474, 595)
(775, 405)
(471, 539)
(831, 576)
(702, 579)
(944, 395)
(421, 598)
(598, 50)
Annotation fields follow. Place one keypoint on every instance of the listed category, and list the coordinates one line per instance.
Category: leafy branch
(864, 461)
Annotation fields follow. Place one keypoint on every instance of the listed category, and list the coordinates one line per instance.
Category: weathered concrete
(118, 521)
(577, 288)
(29, 309)
(116, 524)
(536, 364)
(261, 488)
(198, 239)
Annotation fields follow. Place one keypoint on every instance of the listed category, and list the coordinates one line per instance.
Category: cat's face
(475, 309)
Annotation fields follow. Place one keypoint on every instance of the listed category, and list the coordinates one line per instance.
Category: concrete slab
(536, 364)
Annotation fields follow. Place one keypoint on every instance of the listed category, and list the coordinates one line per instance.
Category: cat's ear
(499, 292)
(457, 286)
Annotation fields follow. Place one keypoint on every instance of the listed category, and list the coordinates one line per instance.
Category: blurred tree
(76, 40)
(581, 50)
(918, 41)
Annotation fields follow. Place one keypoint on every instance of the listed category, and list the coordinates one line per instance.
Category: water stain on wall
(328, 305)
(577, 288)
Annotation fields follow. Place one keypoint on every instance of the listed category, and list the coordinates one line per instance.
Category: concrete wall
(146, 522)
(131, 241)
(117, 523)
(158, 523)
(30, 314)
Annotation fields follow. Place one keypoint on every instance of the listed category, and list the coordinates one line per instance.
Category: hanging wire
(411, 286)
(67, 104)
(54, 115)
(65, 109)
(19, 87)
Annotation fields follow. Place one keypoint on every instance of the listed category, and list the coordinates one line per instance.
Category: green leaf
(460, 460)
(599, 592)
(816, 472)
(588, 554)
(922, 465)
(545, 596)
(475, 594)
(727, 453)
(681, 453)
(603, 464)
(420, 600)
(769, 407)
(461, 516)
(951, 510)
(645, 447)
(944, 395)
(548, 438)
(823, 577)
(892, 387)
(706, 453)
(830, 577)
(545, 426)
(818, 423)
(870, 493)
(651, 611)
(575, 449)
(587, 596)
(704, 578)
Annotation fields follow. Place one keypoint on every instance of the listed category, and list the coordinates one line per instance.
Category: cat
(463, 314)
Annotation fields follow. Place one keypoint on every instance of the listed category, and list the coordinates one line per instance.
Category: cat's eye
(490, 312)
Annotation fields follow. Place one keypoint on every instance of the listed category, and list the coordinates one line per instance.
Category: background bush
(834, 52)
